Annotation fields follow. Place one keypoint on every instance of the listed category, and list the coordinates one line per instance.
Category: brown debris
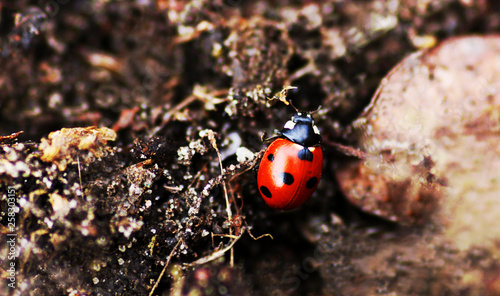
(61, 146)
(10, 138)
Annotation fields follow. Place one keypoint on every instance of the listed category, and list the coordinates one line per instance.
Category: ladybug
(291, 167)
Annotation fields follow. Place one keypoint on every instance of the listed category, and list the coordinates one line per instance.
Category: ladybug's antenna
(291, 104)
(282, 96)
(297, 110)
(317, 109)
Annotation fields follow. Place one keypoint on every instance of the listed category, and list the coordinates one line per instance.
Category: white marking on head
(316, 130)
(289, 125)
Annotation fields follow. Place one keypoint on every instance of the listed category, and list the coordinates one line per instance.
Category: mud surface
(131, 138)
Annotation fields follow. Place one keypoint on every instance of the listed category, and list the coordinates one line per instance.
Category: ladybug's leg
(277, 134)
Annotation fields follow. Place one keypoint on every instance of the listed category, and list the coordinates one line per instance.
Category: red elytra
(291, 167)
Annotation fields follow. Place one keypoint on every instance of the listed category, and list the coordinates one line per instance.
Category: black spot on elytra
(266, 192)
(305, 154)
(270, 157)
(311, 182)
(287, 178)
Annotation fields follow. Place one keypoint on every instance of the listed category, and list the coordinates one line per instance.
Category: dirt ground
(131, 134)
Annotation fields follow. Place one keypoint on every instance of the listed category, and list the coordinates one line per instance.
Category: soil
(131, 134)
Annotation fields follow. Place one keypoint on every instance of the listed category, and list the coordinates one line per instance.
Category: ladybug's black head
(301, 130)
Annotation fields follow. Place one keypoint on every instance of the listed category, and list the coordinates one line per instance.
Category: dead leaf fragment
(61, 146)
